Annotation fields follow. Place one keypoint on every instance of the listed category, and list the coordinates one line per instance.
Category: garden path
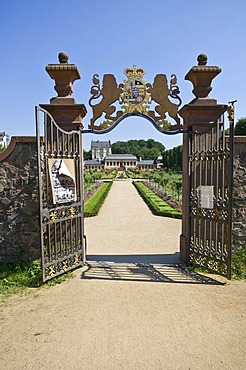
(127, 310)
(125, 229)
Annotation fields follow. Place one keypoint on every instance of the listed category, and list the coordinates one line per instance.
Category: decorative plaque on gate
(62, 179)
(205, 196)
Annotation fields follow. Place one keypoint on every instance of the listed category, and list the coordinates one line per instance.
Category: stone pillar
(199, 116)
(63, 108)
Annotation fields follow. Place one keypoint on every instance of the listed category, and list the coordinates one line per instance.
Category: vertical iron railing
(60, 166)
(211, 178)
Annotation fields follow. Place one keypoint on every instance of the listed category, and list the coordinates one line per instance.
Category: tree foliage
(145, 149)
(240, 127)
(87, 154)
(172, 158)
(2, 148)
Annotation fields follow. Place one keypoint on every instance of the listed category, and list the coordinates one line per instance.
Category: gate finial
(63, 108)
(201, 77)
(64, 75)
(202, 59)
(63, 57)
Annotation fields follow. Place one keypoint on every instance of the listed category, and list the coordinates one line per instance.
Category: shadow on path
(142, 268)
(166, 259)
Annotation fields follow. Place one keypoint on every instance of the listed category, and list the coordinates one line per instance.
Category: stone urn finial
(63, 57)
(201, 77)
(64, 75)
(202, 59)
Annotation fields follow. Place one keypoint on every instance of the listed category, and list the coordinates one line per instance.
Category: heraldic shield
(135, 97)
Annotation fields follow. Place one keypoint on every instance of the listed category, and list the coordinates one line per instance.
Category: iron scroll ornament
(135, 98)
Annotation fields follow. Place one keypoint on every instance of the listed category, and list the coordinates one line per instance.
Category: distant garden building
(100, 149)
(4, 139)
(122, 161)
(103, 159)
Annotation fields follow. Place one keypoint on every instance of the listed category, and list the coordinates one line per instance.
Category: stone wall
(239, 193)
(19, 211)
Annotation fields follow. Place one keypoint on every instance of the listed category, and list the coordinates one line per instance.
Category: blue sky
(107, 37)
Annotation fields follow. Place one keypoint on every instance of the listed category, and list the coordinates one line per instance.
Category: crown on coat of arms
(134, 72)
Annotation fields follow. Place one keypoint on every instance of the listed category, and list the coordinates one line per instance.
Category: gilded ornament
(53, 216)
(76, 259)
(51, 270)
(230, 112)
(134, 97)
(72, 212)
(109, 94)
(64, 265)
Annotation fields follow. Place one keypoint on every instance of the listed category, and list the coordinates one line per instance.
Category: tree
(177, 186)
(2, 149)
(149, 149)
(172, 158)
(240, 127)
(87, 155)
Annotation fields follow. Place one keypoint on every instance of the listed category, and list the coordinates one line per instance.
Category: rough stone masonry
(19, 221)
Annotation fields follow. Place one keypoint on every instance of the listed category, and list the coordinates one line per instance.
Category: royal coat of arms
(135, 96)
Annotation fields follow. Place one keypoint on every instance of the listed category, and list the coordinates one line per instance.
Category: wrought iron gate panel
(210, 173)
(61, 208)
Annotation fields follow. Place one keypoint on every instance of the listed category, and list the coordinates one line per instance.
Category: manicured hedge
(157, 205)
(93, 205)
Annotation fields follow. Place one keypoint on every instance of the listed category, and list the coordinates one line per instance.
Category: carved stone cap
(62, 67)
(201, 77)
(64, 75)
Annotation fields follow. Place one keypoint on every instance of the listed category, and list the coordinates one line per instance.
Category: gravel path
(130, 308)
(127, 230)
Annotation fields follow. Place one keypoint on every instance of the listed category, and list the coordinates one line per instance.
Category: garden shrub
(157, 205)
(93, 205)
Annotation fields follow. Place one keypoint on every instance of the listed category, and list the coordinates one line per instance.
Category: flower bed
(160, 193)
(156, 204)
(91, 190)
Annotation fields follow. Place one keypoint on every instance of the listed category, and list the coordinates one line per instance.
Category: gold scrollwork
(53, 216)
(64, 265)
(76, 259)
(52, 270)
(217, 213)
(72, 212)
(230, 112)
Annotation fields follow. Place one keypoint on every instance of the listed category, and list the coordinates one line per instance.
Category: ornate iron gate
(60, 158)
(210, 173)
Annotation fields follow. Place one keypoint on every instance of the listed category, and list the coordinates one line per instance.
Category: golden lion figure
(110, 93)
(159, 93)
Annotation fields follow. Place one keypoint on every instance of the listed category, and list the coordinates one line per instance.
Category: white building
(103, 158)
(4, 139)
(120, 161)
(100, 149)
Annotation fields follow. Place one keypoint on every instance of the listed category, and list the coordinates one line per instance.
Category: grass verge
(238, 265)
(16, 277)
(157, 205)
(93, 205)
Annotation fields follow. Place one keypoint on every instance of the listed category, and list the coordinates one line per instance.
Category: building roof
(100, 144)
(92, 162)
(118, 157)
(146, 162)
